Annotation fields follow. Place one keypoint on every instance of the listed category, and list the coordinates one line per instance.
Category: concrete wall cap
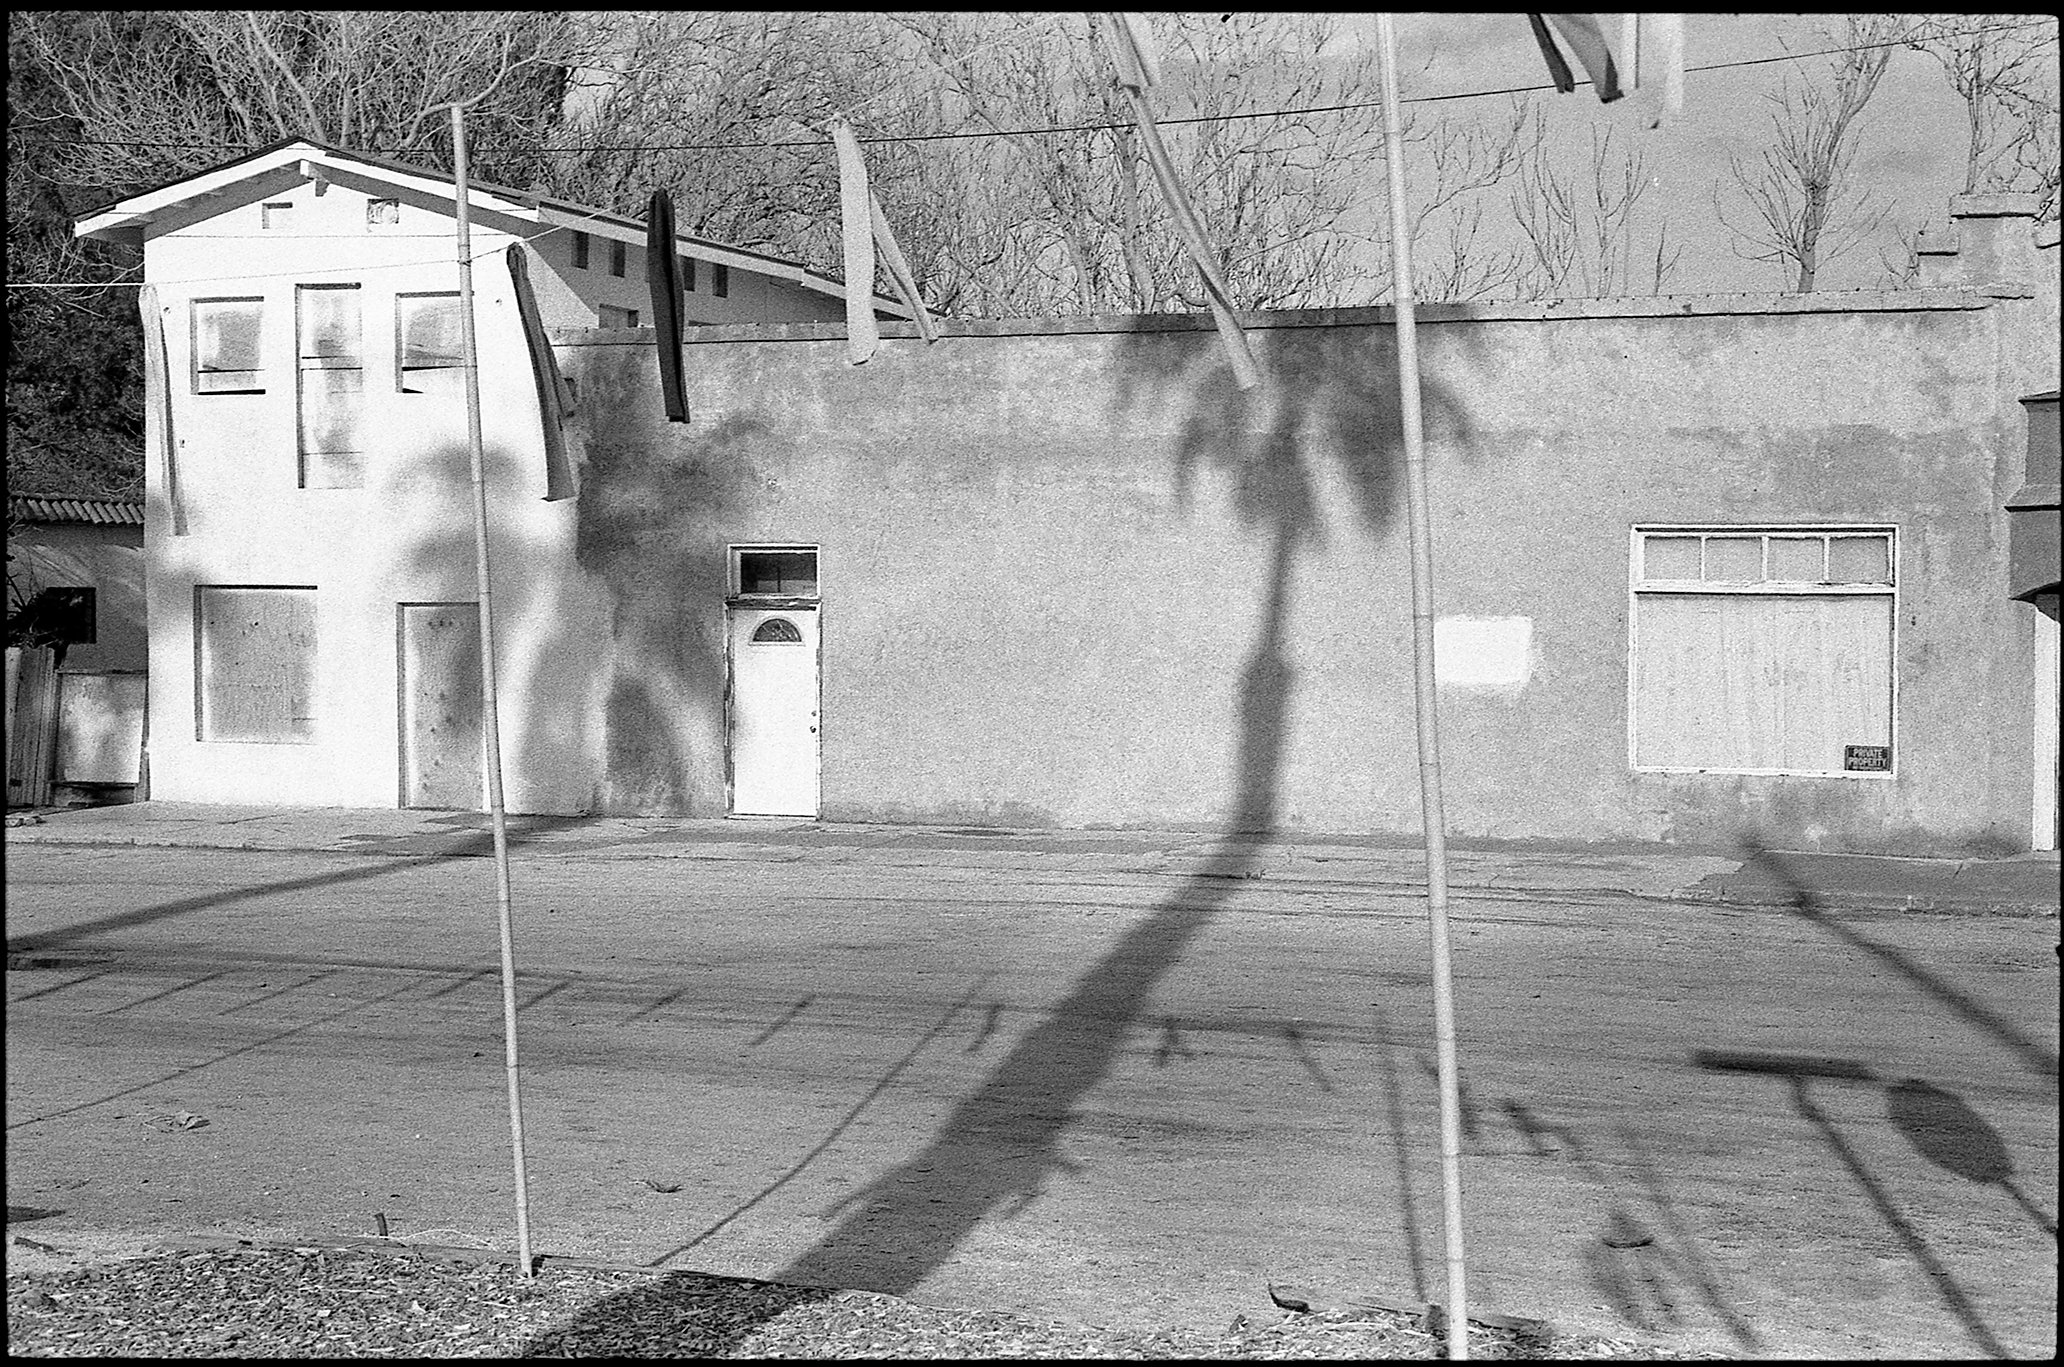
(2017, 204)
(1924, 300)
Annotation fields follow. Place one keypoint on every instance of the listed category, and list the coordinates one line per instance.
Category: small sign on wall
(1867, 759)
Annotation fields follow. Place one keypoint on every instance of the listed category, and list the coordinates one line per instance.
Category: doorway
(773, 714)
(441, 761)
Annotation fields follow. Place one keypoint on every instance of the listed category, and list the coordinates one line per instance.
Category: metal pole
(1433, 816)
(491, 738)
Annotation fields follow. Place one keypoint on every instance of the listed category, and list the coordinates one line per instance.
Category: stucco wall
(1071, 576)
(105, 558)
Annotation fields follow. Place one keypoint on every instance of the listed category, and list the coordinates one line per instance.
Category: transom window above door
(774, 571)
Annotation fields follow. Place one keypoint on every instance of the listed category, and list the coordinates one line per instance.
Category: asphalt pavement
(2023, 885)
(1128, 1073)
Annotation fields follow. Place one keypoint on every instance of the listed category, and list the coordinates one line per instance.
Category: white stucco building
(308, 463)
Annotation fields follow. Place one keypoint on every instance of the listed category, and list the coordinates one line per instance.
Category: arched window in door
(777, 631)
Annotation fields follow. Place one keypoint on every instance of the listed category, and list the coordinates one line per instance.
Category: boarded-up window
(225, 346)
(580, 250)
(429, 345)
(255, 664)
(618, 258)
(331, 353)
(1763, 651)
(613, 317)
(720, 280)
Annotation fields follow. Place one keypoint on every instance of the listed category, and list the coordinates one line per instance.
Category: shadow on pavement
(427, 849)
(163, 911)
(1638, 1271)
(1807, 907)
(1799, 1073)
(1952, 1136)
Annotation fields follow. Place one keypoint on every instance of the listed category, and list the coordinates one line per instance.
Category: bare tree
(2004, 68)
(158, 94)
(1807, 210)
(1579, 224)
(1286, 196)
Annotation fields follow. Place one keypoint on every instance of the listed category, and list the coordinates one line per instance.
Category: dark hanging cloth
(544, 372)
(663, 274)
(1587, 41)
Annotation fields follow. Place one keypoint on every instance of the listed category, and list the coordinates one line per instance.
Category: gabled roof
(130, 219)
(118, 512)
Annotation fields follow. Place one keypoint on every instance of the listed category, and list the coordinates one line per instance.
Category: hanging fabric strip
(157, 402)
(1134, 65)
(1558, 70)
(663, 276)
(544, 372)
(1587, 41)
(1662, 52)
(856, 225)
(899, 272)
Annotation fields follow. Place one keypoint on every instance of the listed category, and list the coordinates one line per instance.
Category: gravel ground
(352, 1303)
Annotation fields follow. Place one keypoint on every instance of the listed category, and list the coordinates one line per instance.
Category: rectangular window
(429, 345)
(580, 250)
(614, 317)
(617, 258)
(226, 335)
(331, 366)
(688, 274)
(720, 280)
(774, 571)
(254, 652)
(273, 217)
(1762, 650)
(382, 213)
(59, 616)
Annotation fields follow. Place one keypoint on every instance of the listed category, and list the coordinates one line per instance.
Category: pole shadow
(1798, 1072)
(1808, 907)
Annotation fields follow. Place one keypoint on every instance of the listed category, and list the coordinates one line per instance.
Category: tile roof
(49, 508)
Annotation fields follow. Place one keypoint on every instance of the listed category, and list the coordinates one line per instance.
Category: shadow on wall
(1328, 413)
(541, 657)
(656, 506)
(1001, 1145)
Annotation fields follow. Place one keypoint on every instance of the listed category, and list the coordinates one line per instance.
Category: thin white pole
(1433, 815)
(491, 731)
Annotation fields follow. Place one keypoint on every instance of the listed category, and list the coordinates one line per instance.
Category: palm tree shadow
(1330, 398)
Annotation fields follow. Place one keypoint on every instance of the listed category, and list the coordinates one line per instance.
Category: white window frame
(402, 370)
(304, 363)
(1638, 586)
(735, 585)
(195, 309)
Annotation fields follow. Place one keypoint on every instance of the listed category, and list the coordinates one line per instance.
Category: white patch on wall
(1483, 654)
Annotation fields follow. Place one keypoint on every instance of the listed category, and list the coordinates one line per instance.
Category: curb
(1148, 864)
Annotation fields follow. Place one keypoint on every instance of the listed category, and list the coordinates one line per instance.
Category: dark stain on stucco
(656, 501)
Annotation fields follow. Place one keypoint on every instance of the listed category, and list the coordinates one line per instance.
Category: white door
(773, 714)
(2046, 670)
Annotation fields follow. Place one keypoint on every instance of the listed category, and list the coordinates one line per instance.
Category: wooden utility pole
(491, 738)
(1433, 815)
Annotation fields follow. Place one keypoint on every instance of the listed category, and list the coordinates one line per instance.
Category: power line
(880, 139)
